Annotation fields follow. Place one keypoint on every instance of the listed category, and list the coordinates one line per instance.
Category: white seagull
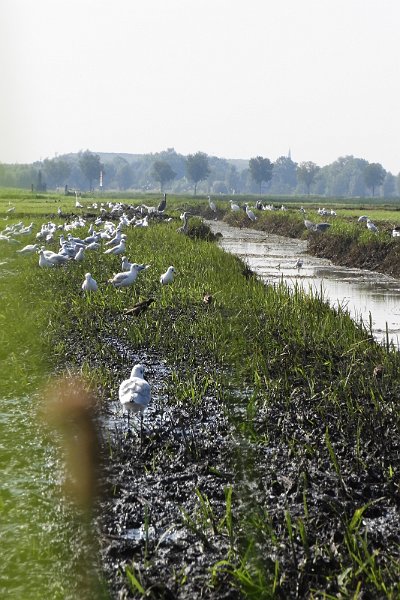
(234, 207)
(90, 284)
(52, 258)
(135, 394)
(125, 278)
(28, 249)
(120, 249)
(168, 276)
(80, 255)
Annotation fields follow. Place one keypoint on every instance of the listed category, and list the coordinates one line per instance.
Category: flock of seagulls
(102, 235)
(134, 392)
(105, 236)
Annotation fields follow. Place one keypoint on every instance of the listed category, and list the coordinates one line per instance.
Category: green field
(289, 452)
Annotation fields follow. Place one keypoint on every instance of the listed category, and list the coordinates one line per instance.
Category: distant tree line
(199, 173)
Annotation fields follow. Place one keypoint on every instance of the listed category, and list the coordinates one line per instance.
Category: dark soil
(150, 518)
(164, 495)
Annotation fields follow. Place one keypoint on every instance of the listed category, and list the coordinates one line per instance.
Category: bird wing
(121, 277)
(135, 392)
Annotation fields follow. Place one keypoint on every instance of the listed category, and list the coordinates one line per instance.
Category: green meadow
(309, 507)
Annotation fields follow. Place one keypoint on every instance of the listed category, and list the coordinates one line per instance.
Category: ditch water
(367, 295)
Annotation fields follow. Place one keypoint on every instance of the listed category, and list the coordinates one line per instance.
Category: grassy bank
(271, 456)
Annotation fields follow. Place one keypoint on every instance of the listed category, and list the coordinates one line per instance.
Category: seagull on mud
(135, 394)
(125, 278)
(299, 263)
(90, 284)
(168, 276)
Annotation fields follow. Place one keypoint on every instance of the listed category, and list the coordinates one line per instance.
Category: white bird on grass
(234, 207)
(80, 255)
(43, 261)
(120, 249)
(168, 276)
(52, 257)
(135, 394)
(126, 265)
(125, 278)
(28, 249)
(90, 284)
(371, 226)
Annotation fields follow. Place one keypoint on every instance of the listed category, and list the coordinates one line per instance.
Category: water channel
(367, 295)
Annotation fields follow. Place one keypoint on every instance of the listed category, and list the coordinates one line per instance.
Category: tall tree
(261, 170)
(374, 175)
(90, 166)
(197, 168)
(57, 171)
(306, 173)
(162, 172)
(284, 178)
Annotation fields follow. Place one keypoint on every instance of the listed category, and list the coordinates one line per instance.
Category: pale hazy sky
(230, 78)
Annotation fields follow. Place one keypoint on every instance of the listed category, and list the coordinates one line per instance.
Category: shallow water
(367, 295)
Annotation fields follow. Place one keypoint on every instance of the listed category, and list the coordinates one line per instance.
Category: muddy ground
(150, 518)
(160, 520)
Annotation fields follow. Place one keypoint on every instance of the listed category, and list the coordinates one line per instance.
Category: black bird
(162, 204)
(139, 308)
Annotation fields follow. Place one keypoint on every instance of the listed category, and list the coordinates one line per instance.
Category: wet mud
(297, 479)
(160, 517)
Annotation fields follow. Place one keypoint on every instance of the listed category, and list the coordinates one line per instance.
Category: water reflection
(368, 296)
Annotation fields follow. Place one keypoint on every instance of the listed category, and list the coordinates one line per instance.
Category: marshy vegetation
(270, 464)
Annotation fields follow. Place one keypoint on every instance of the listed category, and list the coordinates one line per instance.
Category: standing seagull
(90, 284)
(135, 394)
(119, 249)
(234, 207)
(125, 278)
(168, 276)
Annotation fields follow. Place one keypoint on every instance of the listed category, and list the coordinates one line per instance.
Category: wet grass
(282, 445)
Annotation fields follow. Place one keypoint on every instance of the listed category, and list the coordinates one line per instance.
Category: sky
(230, 78)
